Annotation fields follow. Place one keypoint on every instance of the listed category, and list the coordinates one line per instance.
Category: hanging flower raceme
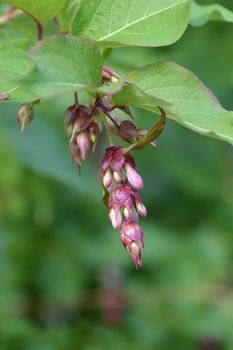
(122, 183)
(120, 180)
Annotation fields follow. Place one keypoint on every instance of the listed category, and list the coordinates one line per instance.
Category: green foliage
(13, 66)
(63, 64)
(202, 14)
(130, 22)
(43, 10)
(195, 106)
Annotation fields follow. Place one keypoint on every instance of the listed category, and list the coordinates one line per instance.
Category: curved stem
(39, 29)
(111, 118)
(76, 98)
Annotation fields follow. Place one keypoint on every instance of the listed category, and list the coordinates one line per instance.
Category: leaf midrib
(141, 19)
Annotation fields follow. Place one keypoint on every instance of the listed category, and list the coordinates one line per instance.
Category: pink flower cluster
(82, 131)
(122, 183)
(84, 125)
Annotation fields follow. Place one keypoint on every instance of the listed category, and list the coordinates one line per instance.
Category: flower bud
(84, 144)
(117, 176)
(94, 134)
(132, 238)
(25, 115)
(116, 218)
(113, 159)
(127, 130)
(107, 179)
(135, 253)
(127, 213)
(77, 118)
(114, 79)
(133, 177)
(141, 209)
(109, 75)
(69, 119)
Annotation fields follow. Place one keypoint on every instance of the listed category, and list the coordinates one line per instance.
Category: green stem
(108, 132)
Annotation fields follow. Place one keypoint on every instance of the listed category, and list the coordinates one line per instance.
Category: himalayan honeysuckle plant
(61, 48)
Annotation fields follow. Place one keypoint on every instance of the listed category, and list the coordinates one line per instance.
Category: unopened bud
(114, 79)
(127, 130)
(127, 213)
(109, 75)
(117, 176)
(69, 118)
(94, 134)
(135, 253)
(74, 131)
(141, 209)
(107, 179)
(133, 177)
(25, 115)
(84, 144)
(132, 238)
(116, 218)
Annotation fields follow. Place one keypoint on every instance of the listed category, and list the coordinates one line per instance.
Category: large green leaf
(15, 93)
(132, 22)
(14, 66)
(62, 64)
(43, 10)
(196, 107)
(201, 14)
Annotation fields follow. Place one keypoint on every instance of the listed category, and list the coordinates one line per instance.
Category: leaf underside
(195, 106)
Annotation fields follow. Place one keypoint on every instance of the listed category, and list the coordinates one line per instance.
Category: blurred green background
(65, 280)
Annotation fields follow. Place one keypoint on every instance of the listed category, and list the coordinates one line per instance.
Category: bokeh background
(65, 280)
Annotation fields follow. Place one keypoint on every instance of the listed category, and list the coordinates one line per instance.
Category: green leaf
(16, 93)
(196, 107)
(66, 15)
(201, 14)
(43, 10)
(131, 22)
(14, 66)
(63, 64)
(133, 95)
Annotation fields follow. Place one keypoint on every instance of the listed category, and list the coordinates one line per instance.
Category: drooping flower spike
(121, 181)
